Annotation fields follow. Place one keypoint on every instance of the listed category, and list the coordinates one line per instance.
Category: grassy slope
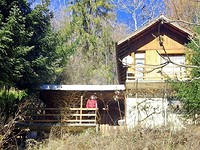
(137, 139)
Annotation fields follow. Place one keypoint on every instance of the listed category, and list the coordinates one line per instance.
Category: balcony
(151, 77)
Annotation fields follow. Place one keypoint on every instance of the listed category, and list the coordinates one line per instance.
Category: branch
(190, 38)
(193, 79)
(182, 21)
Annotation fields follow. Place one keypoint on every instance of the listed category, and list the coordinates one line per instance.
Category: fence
(150, 73)
(68, 116)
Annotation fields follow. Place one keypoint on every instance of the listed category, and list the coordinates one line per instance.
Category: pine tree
(30, 52)
(93, 60)
(28, 46)
(13, 45)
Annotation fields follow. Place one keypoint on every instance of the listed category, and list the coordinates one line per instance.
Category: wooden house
(150, 47)
(145, 60)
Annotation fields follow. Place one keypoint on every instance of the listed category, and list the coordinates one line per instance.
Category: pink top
(91, 103)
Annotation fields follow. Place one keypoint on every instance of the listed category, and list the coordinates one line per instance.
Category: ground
(136, 139)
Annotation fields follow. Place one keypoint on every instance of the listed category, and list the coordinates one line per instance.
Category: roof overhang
(55, 95)
(163, 20)
(83, 87)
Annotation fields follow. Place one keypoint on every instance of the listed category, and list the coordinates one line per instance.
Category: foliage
(9, 100)
(31, 53)
(189, 91)
(137, 139)
(28, 46)
(92, 46)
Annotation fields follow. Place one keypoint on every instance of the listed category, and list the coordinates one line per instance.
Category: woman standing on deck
(91, 103)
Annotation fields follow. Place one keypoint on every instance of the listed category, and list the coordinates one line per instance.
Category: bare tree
(183, 10)
(10, 132)
(139, 11)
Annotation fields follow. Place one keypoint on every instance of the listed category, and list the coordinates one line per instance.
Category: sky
(146, 11)
(122, 16)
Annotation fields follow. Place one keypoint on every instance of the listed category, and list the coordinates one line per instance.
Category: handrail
(59, 109)
(63, 115)
(98, 117)
(161, 74)
(156, 66)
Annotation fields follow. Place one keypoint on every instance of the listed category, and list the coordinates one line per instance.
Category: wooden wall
(172, 43)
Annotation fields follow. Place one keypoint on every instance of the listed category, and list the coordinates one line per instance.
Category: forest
(73, 42)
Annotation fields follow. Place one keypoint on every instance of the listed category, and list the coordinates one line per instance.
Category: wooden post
(81, 111)
(95, 118)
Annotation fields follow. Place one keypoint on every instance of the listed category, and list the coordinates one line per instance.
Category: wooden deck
(45, 118)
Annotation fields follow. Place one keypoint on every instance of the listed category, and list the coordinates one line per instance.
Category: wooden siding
(152, 58)
(173, 40)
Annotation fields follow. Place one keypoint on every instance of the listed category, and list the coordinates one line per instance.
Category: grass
(136, 139)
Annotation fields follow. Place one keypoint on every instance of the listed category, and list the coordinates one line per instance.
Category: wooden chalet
(149, 51)
(145, 60)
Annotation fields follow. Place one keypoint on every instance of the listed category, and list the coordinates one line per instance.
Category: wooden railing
(68, 116)
(149, 73)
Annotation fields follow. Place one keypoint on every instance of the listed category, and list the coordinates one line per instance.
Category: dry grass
(137, 139)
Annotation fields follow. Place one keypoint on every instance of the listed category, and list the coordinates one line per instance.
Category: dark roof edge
(160, 18)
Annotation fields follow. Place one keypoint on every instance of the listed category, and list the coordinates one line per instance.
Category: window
(172, 70)
(139, 65)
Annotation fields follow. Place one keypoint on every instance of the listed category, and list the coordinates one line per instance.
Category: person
(91, 103)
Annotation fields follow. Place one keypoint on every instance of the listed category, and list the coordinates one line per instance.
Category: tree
(13, 43)
(186, 13)
(185, 10)
(188, 91)
(93, 57)
(28, 46)
(139, 12)
(30, 52)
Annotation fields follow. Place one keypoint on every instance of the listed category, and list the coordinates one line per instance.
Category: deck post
(81, 111)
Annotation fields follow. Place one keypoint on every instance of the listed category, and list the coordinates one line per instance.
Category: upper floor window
(171, 69)
(139, 65)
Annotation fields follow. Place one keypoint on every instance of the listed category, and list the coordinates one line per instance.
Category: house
(145, 60)
(150, 48)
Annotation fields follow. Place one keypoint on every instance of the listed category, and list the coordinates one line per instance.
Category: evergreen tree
(189, 91)
(93, 61)
(30, 52)
(28, 45)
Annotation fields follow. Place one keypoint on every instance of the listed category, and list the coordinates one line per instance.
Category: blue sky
(121, 16)
(142, 13)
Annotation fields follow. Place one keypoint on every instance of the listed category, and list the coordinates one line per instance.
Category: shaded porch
(67, 108)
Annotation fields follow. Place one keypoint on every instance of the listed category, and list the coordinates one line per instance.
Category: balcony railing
(146, 73)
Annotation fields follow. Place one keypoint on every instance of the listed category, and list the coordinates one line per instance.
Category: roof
(83, 87)
(154, 21)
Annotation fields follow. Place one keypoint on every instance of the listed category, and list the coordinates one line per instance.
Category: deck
(69, 118)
